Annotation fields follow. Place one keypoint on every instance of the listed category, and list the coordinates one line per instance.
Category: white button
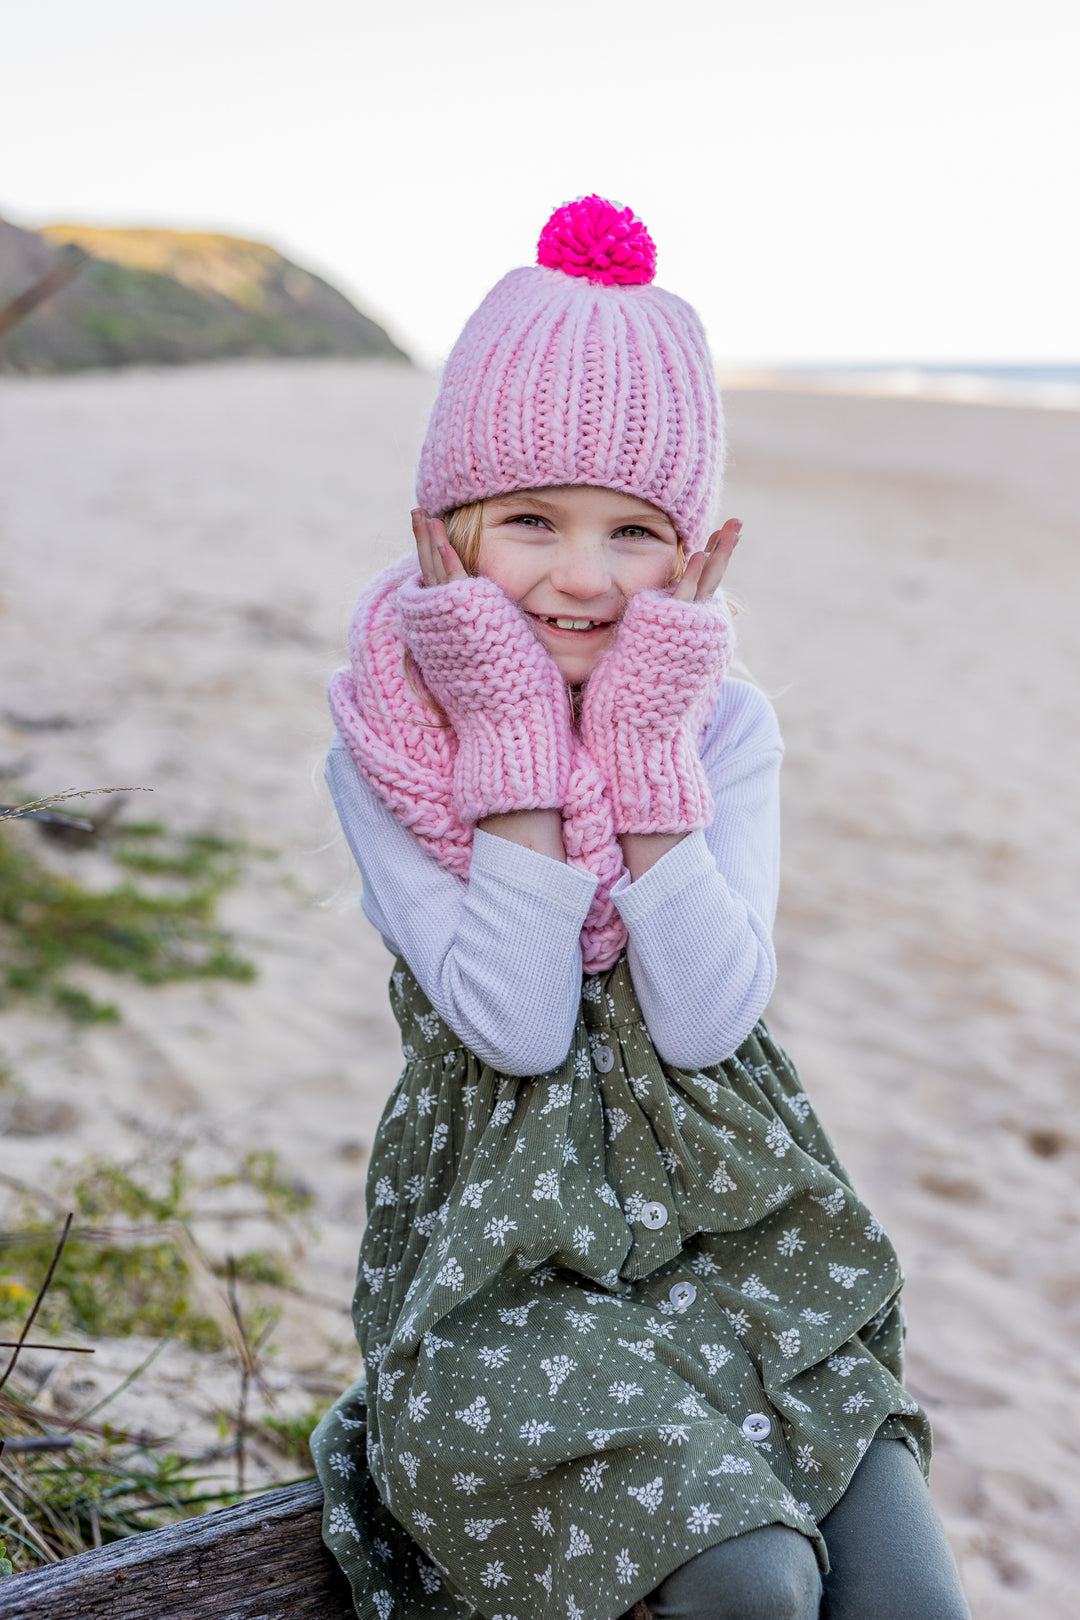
(604, 1058)
(682, 1295)
(757, 1426)
(654, 1216)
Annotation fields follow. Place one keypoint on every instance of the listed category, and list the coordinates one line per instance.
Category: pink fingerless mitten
(502, 694)
(645, 704)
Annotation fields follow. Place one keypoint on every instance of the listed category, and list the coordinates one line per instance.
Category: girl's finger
(716, 556)
(686, 587)
(436, 561)
(423, 545)
(450, 563)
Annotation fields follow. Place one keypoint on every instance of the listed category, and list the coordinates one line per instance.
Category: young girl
(631, 1338)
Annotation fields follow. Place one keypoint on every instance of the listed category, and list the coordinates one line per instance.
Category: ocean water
(1045, 387)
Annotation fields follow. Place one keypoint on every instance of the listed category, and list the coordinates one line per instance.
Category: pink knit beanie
(579, 371)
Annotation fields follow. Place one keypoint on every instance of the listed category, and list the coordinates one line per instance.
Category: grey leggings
(887, 1550)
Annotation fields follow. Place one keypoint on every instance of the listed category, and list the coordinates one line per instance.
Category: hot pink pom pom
(591, 237)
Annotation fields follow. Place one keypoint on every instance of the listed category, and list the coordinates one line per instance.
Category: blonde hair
(465, 529)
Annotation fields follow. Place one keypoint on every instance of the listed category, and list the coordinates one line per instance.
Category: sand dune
(178, 557)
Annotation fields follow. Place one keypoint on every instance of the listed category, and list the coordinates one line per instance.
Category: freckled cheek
(513, 570)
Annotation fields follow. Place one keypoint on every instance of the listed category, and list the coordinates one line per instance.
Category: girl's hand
(439, 562)
(706, 568)
(504, 697)
(649, 696)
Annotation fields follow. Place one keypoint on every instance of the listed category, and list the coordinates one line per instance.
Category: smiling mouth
(564, 622)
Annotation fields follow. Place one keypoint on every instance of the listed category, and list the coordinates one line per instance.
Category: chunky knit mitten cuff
(645, 705)
(502, 694)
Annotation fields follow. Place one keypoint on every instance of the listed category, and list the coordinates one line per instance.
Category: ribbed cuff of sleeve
(688, 862)
(557, 883)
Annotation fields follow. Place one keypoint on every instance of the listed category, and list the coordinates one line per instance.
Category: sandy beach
(179, 553)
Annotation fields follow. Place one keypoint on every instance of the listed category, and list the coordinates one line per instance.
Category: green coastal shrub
(126, 1268)
(155, 930)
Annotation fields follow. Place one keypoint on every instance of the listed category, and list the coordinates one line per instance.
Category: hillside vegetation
(166, 297)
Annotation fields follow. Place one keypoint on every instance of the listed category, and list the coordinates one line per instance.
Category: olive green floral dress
(610, 1316)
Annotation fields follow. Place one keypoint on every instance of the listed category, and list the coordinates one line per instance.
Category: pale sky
(844, 180)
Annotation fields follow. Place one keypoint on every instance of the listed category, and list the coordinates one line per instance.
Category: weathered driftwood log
(264, 1560)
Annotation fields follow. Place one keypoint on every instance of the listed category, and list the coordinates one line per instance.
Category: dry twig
(28, 1324)
(12, 812)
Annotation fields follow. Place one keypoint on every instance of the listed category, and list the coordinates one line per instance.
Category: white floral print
(477, 1414)
(703, 1518)
(673, 1434)
(516, 1315)
(341, 1522)
(645, 1348)
(580, 1543)
(429, 1575)
(498, 1229)
(846, 1276)
(473, 1193)
(387, 1381)
(651, 1495)
(480, 1529)
(494, 1355)
(778, 1138)
(558, 1369)
(625, 1568)
(592, 1475)
(451, 1275)
(534, 1431)
(721, 1180)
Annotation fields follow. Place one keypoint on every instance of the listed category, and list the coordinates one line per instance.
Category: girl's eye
(636, 531)
(530, 519)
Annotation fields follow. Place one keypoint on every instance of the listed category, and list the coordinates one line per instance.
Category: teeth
(573, 624)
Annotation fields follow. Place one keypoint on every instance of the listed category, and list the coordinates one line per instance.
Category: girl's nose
(582, 571)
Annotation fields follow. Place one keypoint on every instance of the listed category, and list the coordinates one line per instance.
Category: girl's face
(571, 558)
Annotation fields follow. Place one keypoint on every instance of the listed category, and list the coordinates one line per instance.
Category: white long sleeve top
(499, 957)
